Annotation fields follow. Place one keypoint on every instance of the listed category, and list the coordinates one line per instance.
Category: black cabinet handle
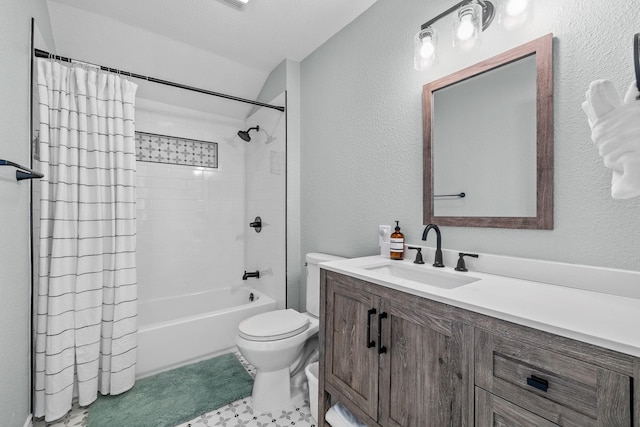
(538, 383)
(369, 314)
(381, 348)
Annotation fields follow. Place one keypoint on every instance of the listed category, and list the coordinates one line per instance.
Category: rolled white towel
(334, 419)
(601, 99)
(616, 132)
(339, 416)
(617, 136)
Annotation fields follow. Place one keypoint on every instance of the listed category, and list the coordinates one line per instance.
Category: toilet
(281, 343)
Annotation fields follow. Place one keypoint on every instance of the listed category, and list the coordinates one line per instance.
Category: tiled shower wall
(191, 220)
(266, 197)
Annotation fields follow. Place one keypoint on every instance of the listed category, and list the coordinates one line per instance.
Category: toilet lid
(273, 325)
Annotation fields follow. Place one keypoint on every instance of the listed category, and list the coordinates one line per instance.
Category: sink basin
(422, 275)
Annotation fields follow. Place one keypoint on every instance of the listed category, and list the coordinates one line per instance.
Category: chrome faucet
(437, 262)
(255, 274)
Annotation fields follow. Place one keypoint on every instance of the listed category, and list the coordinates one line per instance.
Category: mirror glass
(489, 142)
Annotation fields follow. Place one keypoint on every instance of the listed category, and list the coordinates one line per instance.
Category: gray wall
(361, 158)
(15, 300)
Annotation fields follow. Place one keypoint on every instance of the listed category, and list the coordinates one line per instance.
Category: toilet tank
(313, 280)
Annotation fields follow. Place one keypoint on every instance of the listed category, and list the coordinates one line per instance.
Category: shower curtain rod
(43, 54)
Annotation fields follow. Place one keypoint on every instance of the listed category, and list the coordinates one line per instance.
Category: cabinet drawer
(561, 389)
(492, 411)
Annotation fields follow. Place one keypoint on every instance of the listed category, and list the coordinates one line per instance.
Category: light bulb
(427, 50)
(467, 25)
(466, 28)
(515, 13)
(516, 7)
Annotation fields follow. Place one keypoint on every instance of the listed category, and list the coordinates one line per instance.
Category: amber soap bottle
(396, 243)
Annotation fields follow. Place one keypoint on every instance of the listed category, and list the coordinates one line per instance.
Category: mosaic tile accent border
(176, 151)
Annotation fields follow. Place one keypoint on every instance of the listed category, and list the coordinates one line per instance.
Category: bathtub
(179, 330)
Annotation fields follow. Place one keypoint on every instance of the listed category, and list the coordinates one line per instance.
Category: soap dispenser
(396, 250)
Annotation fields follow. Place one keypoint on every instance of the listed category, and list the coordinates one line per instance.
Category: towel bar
(22, 172)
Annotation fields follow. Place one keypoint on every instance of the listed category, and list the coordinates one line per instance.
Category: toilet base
(277, 387)
(272, 391)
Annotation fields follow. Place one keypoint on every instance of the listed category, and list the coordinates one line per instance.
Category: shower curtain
(86, 299)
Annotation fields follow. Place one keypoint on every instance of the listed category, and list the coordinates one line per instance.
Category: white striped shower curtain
(86, 300)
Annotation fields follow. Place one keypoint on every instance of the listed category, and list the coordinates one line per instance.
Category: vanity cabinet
(396, 359)
(400, 361)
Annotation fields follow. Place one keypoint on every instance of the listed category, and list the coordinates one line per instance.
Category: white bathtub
(178, 330)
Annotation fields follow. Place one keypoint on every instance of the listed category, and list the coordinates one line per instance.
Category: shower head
(244, 134)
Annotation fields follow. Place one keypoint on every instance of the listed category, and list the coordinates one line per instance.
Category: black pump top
(397, 225)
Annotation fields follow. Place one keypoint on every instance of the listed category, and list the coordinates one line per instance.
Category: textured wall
(15, 303)
(361, 156)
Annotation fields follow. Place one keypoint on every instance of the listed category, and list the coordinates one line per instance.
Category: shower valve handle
(256, 224)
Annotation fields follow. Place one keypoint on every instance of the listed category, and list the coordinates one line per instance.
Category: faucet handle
(418, 259)
(461, 265)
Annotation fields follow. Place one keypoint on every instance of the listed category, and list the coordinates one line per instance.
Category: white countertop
(602, 319)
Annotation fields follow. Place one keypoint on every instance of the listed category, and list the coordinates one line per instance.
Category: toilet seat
(273, 325)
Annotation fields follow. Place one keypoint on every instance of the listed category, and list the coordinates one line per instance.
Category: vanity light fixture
(471, 18)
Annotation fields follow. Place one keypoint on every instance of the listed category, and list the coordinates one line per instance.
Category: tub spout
(255, 274)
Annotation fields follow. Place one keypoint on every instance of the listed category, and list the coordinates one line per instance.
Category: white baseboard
(29, 421)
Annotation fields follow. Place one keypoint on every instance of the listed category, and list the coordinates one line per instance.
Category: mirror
(488, 142)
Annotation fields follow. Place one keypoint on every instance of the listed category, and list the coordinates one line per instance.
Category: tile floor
(236, 414)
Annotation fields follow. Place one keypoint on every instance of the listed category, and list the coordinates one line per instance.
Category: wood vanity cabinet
(392, 359)
(395, 359)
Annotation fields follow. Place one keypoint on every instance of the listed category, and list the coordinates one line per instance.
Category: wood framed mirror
(488, 142)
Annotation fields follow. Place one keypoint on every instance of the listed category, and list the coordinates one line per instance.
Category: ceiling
(256, 39)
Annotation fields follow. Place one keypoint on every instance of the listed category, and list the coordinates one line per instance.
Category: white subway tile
(186, 194)
(195, 184)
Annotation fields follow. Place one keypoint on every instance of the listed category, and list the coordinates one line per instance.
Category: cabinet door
(424, 371)
(351, 360)
(491, 411)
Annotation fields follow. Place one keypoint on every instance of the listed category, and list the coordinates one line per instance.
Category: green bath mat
(173, 397)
